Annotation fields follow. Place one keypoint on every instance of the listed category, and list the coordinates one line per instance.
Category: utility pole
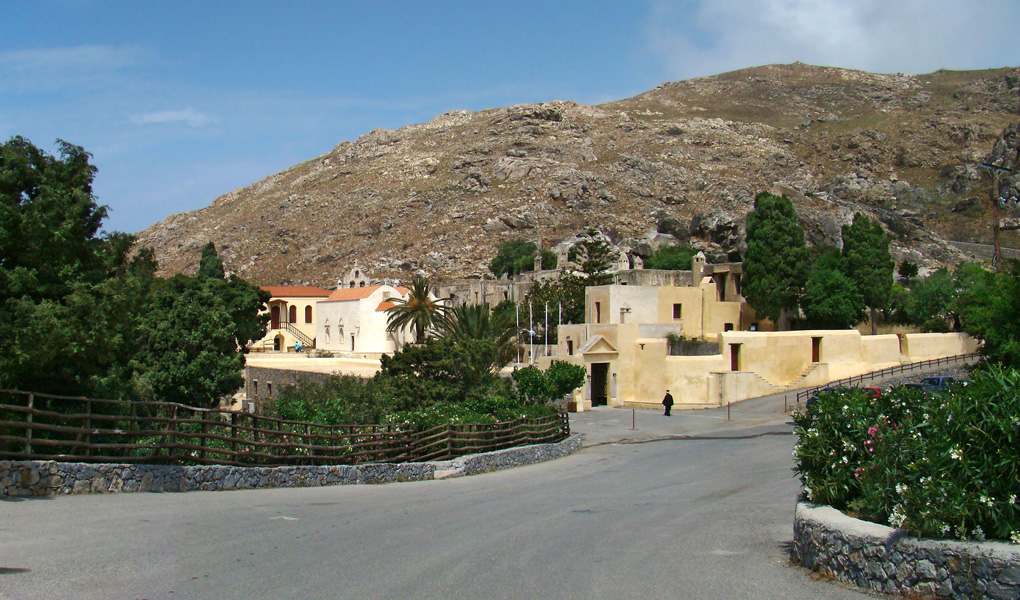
(997, 222)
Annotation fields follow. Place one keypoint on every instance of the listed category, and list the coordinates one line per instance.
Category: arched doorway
(278, 343)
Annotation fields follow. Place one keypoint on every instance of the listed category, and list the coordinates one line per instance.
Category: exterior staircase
(299, 335)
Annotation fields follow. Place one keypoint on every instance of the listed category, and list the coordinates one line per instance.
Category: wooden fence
(48, 427)
(857, 380)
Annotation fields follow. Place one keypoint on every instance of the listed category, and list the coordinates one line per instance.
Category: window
(570, 347)
(308, 314)
(598, 312)
(293, 314)
(678, 311)
(727, 327)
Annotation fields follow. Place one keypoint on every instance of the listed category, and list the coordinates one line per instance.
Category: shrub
(539, 386)
(674, 258)
(945, 465)
(338, 400)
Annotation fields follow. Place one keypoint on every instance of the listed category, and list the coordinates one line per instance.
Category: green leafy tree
(71, 297)
(49, 221)
(436, 371)
(566, 291)
(989, 304)
(518, 256)
(191, 355)
(866, 261)
(210, 264)
(831, 300)
(672, 258)
(907, 271)
(931, 302)
(595, 257)
(776, 267)
(420, 310)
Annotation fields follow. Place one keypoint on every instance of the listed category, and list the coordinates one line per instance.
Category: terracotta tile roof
(385, 305)
(358, 293)
(296, 291)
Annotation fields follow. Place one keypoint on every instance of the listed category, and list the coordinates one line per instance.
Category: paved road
(656, 519)
(691, 506)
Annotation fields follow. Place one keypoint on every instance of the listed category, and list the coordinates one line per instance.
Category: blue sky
(180, 102)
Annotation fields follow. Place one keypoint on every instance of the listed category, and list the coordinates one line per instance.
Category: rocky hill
(681, 162)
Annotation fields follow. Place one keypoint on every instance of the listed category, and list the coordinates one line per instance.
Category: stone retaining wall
(880, 558)
(46, 478)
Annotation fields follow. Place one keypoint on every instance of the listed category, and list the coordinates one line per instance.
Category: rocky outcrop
(681, 163)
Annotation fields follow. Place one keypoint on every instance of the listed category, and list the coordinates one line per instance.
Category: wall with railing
(859, 380)
(61, 428)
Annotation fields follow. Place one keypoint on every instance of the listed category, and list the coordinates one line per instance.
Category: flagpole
(531, 332)
(547, 329)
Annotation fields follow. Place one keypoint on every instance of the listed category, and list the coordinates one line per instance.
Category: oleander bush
(941, 465)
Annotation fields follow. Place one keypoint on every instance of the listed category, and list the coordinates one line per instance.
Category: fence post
(255, 432)
(28, 424)
(205, 430)
(233, 435)
(172, 451)
(88, 425)
(449, 440)
(308, 443)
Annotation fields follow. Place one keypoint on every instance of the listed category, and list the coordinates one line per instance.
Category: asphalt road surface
(702, 518)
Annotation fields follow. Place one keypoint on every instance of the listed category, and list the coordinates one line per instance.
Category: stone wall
(263, 383)
(883, 559)
(47, 478)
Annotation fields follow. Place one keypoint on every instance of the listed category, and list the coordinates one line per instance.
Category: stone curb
(884, 559)
(47, 478)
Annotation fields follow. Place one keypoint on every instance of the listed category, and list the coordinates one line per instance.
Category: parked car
(927, 388)
(874, 391)
(940, 382)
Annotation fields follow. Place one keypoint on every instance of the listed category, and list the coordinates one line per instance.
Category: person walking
(667, 402)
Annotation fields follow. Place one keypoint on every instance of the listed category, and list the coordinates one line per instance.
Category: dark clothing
(668, 403)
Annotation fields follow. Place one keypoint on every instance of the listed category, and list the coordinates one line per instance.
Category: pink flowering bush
(943, 465)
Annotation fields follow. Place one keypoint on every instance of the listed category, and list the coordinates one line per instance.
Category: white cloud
(54, 68)
(911, 36)
(188, 116)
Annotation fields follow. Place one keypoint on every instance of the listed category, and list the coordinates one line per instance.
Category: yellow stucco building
(292, 318)
(624, 346)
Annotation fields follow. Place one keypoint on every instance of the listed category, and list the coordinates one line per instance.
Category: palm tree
(421, 310)
(479, 322)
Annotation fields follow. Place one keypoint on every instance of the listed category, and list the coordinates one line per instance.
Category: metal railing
(806, 393)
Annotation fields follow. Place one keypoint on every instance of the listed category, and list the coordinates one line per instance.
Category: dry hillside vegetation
(682, 163)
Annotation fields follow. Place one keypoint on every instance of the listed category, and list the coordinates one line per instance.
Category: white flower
(901, 488)
(1015, 537)
(944, 529)
(956, 454)
(978, 534)
(986, 500)
(1012, 499)
(809, 493)
(897, 518)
